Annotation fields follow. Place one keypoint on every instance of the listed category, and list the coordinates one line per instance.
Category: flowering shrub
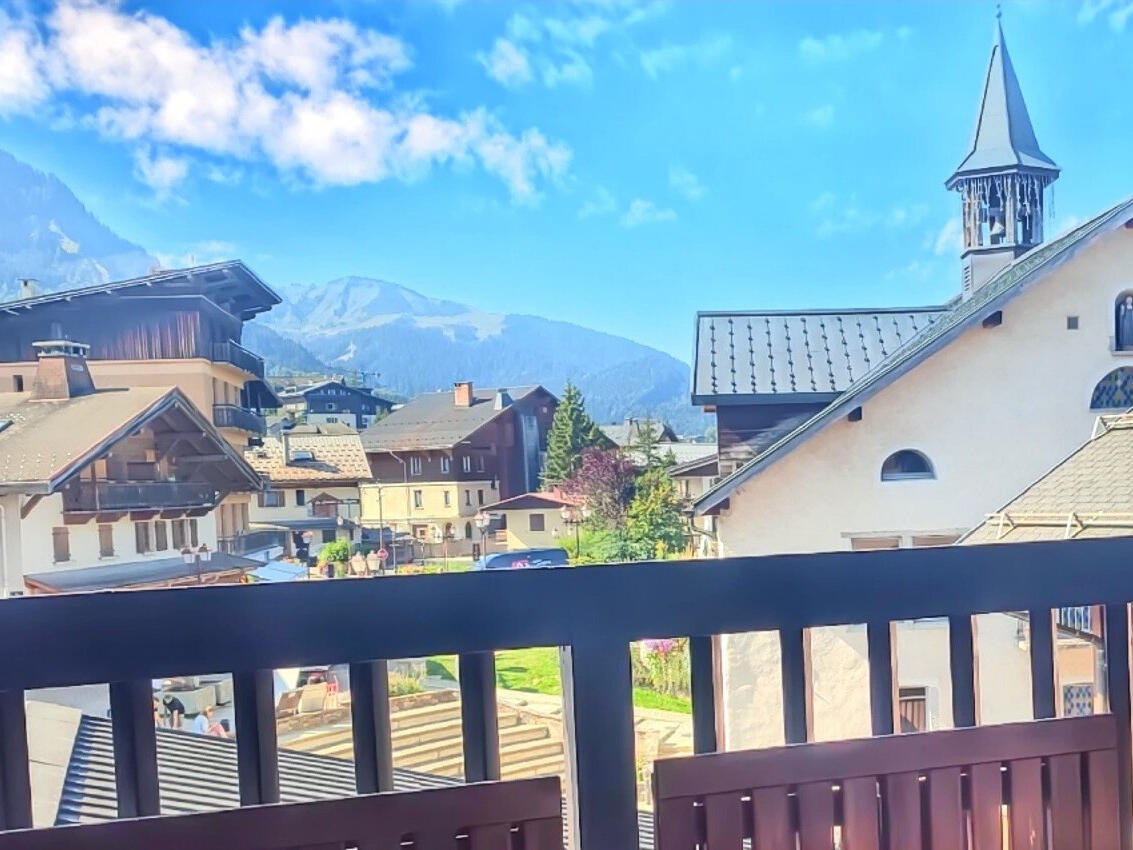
(662, 665)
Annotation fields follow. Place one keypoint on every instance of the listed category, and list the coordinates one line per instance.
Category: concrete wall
(520, 536)
(993, 412)
(393, 504)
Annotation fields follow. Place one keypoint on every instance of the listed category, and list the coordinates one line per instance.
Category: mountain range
(401, 340)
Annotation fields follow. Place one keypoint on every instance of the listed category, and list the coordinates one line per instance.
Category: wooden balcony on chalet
(85, 496)
(240, 357)
(1065, 783)
(234, 416)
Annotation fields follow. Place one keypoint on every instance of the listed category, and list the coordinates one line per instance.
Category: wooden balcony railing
(137, 495)
(234, 416)
(593, 613)
(251, 541)
(238, 356)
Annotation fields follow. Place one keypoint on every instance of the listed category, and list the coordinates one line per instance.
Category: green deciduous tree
(572, 430)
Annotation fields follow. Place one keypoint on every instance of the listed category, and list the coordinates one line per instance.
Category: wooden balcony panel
(110, 496)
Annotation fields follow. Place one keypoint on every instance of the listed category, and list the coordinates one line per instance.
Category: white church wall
(993, 411)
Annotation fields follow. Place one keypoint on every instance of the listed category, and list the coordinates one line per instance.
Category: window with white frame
(466, 463)
(445, 464)
(415, 465)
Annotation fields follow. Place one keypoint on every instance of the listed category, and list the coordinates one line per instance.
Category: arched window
(905, 465)
(1114, 391)
(1123, 322)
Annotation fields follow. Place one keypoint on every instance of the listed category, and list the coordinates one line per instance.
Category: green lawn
(537, 670)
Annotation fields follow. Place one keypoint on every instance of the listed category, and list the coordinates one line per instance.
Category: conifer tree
(572, 430)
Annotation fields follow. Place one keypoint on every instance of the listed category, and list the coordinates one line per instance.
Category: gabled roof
(1087, 494)
(231, 282)
(701, 467)
(990, 297)
(628, 432)
(333, 458)
(136, 573)
(804, 355)
(46, 442)
(1004, 137)
(434, 421)
(533, 501)
(299, 392)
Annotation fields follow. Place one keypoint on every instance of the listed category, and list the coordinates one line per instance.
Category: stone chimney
(285, 438)
(462, 393)
(29, 288)
(62, 370)
(503, 399)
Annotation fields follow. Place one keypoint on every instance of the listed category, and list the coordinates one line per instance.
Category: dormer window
(906, 465)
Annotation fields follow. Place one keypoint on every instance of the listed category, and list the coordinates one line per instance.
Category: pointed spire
(1004, 138)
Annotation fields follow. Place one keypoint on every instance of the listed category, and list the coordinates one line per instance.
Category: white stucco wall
(993, 412)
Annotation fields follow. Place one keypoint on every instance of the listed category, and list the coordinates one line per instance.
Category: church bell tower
(1003, 179)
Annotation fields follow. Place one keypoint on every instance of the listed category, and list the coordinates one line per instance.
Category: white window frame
(446, 464)
(415, 465)
(466, 463)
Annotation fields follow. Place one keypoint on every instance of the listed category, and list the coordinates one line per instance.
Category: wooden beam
(142, 516)
(194, 459)
(29, 505)
(76, 518)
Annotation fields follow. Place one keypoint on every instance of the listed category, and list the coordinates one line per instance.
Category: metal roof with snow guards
(989, 298)
(810, 355)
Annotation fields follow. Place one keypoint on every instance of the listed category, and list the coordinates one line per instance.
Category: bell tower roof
(1004, 139)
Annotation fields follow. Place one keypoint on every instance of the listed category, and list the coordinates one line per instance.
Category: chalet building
(898, 427)
(628, 433)
(177, 328)
(536, 520)
(692, 479)
(312, 496)
(331, 402)
(110, 488)
(439, 459)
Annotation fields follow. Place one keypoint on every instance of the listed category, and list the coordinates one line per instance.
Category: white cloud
(161, 172)
(507, 63)
(914, 270)
(1116, 12)
(1064, 224)
(559, 49)
(949, 239)
(669, 57)
(686, 183)
(835, 215)
(838, 47)
(312, 97)
(602, 203)
(820, 117)
(641, 212)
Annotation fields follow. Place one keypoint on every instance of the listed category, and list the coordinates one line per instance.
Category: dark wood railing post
(15, 782)
(702, 675)
(962, 667)
(1117, 682)
(598, 707)
(479, 723)
(882, 681)
(369, 713)
(135, 748)
(256, 745)
(794, 649)
(1042, 662)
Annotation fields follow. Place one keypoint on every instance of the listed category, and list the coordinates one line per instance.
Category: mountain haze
(418, 344)
(414, 342)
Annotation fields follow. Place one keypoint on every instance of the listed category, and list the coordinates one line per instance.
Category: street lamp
(482, 521)
(572, 515)
(194, 558)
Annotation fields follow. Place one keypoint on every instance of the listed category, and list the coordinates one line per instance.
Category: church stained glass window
(1114, 391)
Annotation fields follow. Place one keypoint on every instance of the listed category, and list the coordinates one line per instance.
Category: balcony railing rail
(593, 613)
(234, 416)
(251, 541)
(240, 357)
(137, 495)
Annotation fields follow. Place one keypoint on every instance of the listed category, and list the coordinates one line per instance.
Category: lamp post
(573, 516)
(482, 521)
(195, 557)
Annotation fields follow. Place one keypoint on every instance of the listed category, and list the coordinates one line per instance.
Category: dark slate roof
(433, 421)
(198, 773)
(990, 297)
(627, 433)
(230, 279)
(811, 353)
(1004, 137)
(132, 573)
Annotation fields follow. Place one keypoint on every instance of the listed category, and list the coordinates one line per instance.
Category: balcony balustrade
(137, 495)
(593, 614)
(238, 356)
(234, 416)
(251, 541)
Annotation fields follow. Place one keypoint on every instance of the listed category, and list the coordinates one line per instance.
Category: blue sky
(616, 164)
